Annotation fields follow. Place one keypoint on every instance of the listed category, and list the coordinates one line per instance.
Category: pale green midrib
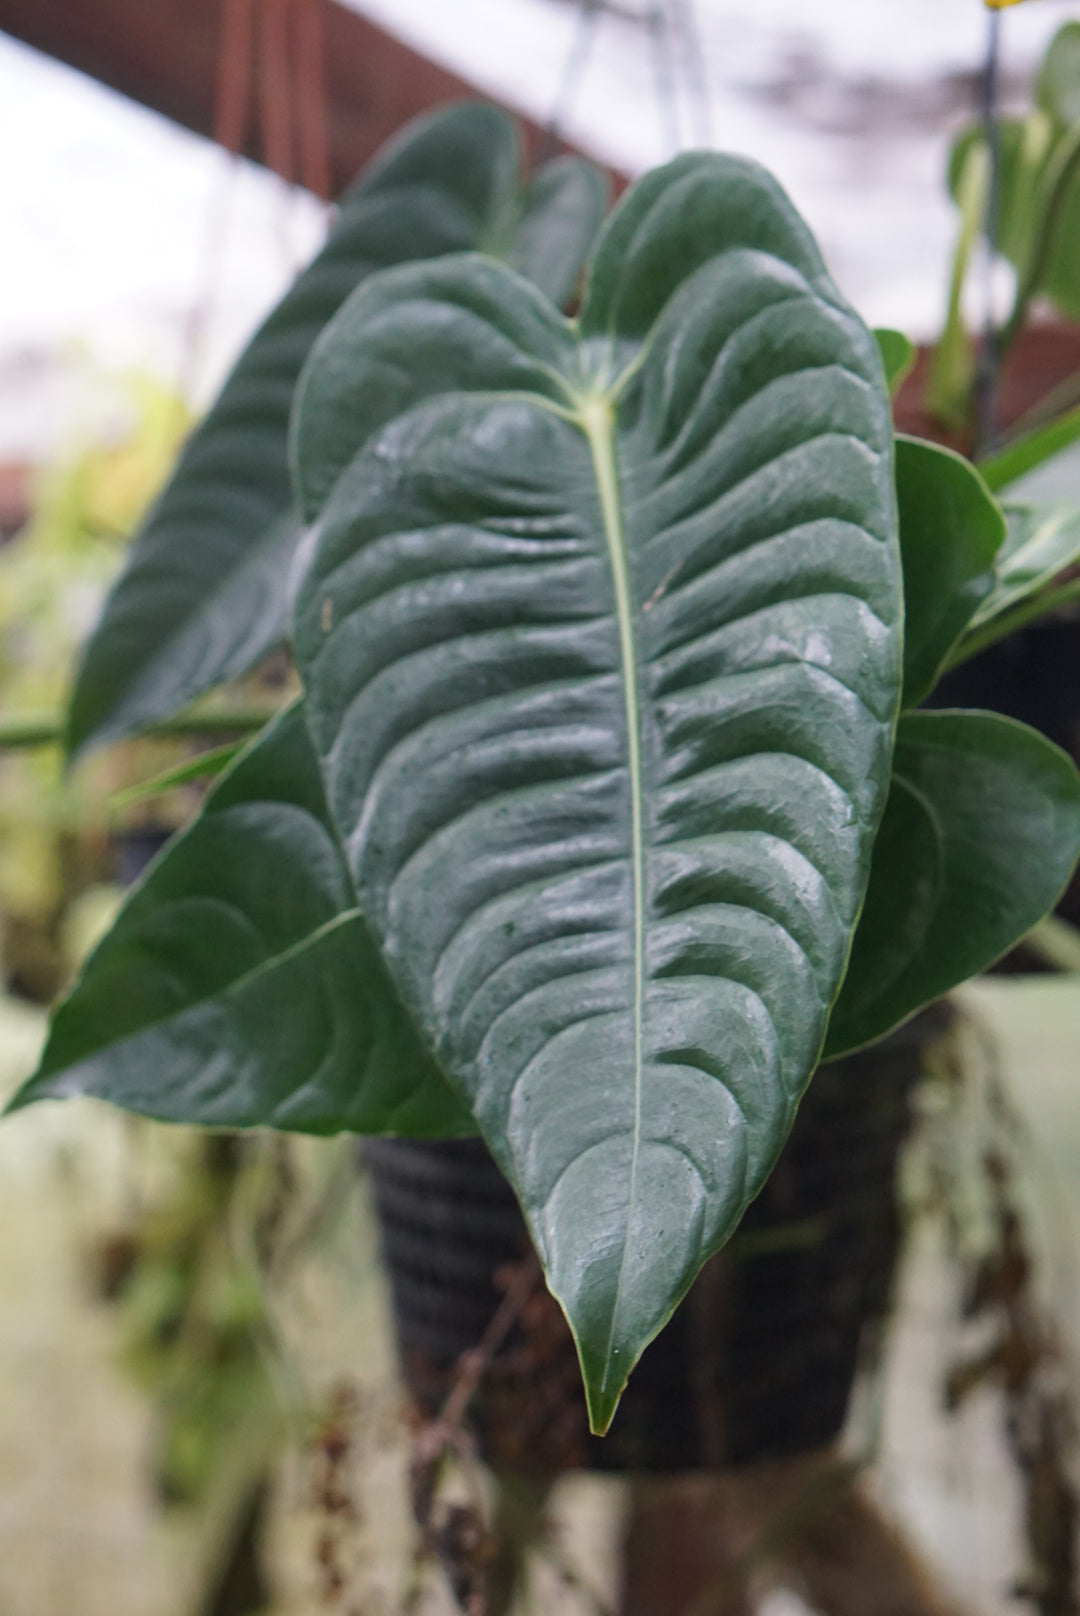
(596, 417)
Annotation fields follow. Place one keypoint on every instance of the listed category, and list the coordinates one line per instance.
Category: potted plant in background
(1026, 193)
(1035, 377)
(611, 804)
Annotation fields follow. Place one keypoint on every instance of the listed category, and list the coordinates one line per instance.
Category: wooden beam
(164, 54)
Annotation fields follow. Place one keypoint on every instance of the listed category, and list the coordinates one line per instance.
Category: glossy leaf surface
(979, 839)
(600, 631)
(239, 984)
(950, 532)
(204, 592)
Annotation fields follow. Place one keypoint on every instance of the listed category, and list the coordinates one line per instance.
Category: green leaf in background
(950, 532)
(1032, 451)
(600, 630)
(1054, 251)
(553, 230)
(979, 839)
(897, 355)
(1026, 145)
(1038, 204)
(1057, 87)
(1042, 544)
(1034, 575)
(240, 985)
(204, 767)
(204, 594)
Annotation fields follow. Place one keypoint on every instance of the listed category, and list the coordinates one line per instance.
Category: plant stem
(49, 729)
(951, 379)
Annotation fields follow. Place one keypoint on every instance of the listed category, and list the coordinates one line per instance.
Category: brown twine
(276, 88)
(311, 105)
(232, 102)
(288, 48)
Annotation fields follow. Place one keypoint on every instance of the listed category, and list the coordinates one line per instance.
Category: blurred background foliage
(58, 864)
(181, 1250)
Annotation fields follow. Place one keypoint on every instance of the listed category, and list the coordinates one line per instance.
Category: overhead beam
(164, 54)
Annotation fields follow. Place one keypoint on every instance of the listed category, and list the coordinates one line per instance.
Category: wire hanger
(288, 43)
(271, 90)
(678, 67)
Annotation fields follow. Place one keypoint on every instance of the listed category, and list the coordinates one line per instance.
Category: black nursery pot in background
(760, 1359)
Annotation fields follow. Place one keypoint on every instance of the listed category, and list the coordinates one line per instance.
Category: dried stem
(458, 1538)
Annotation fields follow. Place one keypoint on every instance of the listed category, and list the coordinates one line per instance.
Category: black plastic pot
(760, 1359)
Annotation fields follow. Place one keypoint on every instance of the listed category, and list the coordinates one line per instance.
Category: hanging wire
(677, 62)
(232, 112)
(312, 120)
(573, 68)
(276, 113)
(684, 14)
(284, 39)
(275, 98)
(989, 364)
(232, 102)
(664, 71)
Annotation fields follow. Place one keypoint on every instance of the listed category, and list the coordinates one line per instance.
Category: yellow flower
(999, 5)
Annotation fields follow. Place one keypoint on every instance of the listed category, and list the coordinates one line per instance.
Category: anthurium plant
(609, 807)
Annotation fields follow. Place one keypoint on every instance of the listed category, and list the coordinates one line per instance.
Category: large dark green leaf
(950, 532)
(204, 592)
(600, 629)
(979, 838)
(240, 985)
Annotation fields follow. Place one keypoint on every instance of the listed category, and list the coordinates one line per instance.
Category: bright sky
(120, 226)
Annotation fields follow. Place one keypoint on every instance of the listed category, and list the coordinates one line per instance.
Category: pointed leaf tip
(603, 1404)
